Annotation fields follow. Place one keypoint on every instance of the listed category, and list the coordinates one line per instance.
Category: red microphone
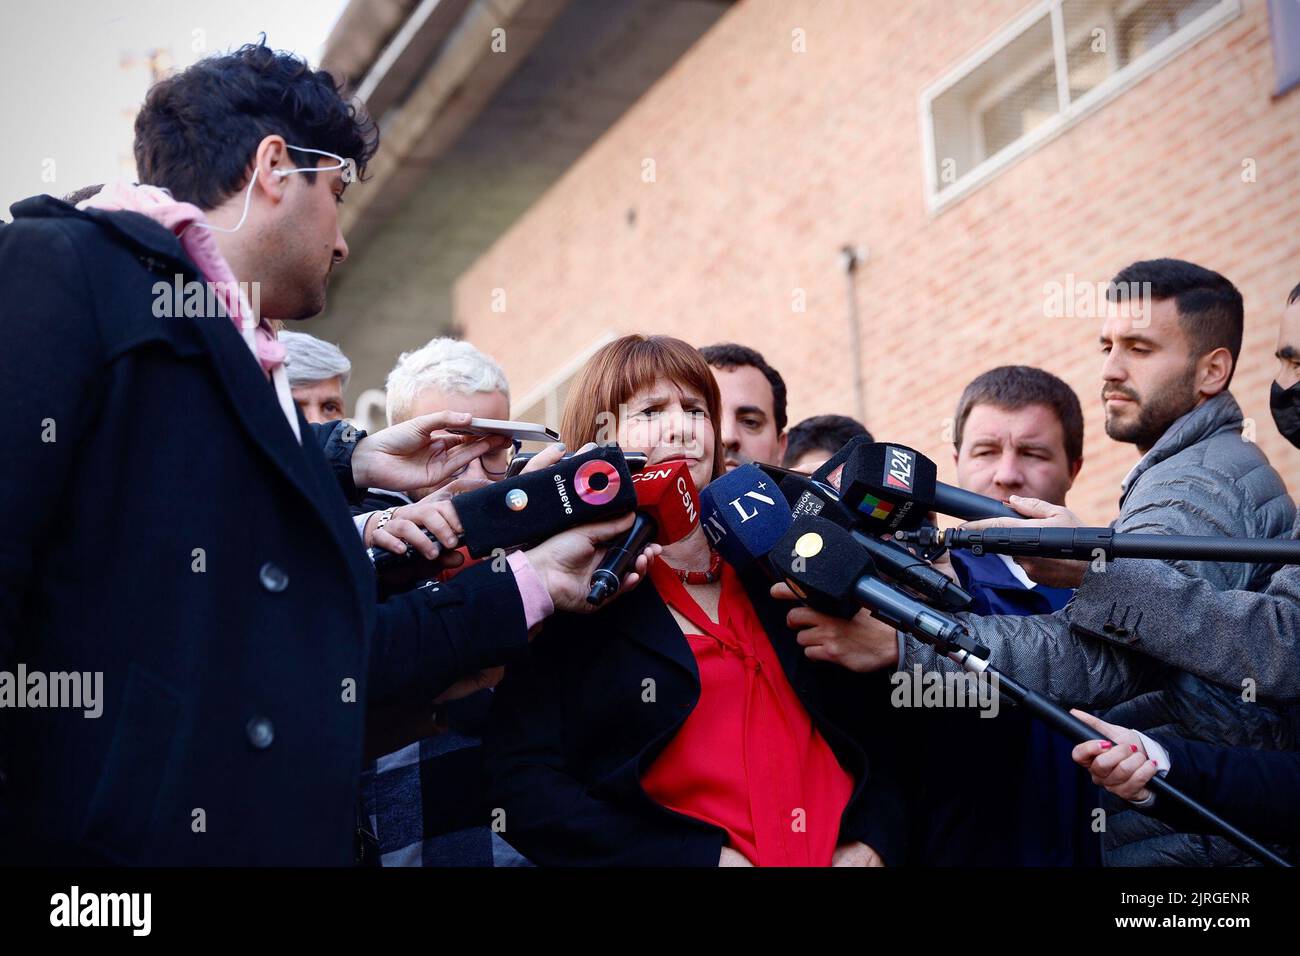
(667, 509)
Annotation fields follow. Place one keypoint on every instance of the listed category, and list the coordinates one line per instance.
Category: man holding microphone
(1169, 360)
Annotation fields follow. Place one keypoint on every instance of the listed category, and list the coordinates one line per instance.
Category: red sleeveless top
(748, 758)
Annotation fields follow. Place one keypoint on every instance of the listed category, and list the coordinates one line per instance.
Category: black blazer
(160, 525)
(570, 735)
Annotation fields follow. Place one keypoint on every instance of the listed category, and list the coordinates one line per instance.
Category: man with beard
(1175, 607)
(1170, 344)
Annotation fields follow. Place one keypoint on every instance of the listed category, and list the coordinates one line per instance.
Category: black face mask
(1285, 403)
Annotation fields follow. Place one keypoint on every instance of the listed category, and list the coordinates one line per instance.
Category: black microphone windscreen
(807, 496)
(826, 472)
(891, 486)
(534, 506)
(822, 564)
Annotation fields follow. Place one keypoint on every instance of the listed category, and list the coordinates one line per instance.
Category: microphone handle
(1082, 544)
(1174, 547)
(909, 570)
(620, 558)
(1076, 730)
(908, 614)
(967, 505)
(385, 560)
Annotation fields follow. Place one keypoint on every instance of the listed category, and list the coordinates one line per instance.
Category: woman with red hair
(682, 724)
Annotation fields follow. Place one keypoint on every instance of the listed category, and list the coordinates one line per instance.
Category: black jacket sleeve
(337, 441)
(551, 816)
(49, 341)
(1256, 790)
(427, 639)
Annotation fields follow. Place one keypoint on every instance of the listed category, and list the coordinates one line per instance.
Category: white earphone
(278, 174)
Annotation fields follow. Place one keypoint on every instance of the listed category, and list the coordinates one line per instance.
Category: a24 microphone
(807, 496)
(894, 487)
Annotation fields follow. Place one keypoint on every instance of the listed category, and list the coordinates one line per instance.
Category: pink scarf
(200, 246)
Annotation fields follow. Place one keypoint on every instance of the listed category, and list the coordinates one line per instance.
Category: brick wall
(767, 160)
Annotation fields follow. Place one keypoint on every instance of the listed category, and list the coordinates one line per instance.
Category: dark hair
(1210, 309)
(729, 355)
(1017, 386)
(1295, 294)
(821, 432)
(198, 131)
(85, 192)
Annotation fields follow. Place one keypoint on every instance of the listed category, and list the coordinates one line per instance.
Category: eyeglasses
(349, 174)
(495, 463)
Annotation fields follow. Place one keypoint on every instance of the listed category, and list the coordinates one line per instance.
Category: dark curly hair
(198, 131)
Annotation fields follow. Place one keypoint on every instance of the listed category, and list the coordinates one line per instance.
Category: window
(1284, 17)
(1044, 71)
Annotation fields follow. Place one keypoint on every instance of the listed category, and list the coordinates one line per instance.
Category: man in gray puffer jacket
(1198, 475)
(1169, 360)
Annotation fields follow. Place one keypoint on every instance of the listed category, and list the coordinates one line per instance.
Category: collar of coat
(138, 230)
(1214, 415)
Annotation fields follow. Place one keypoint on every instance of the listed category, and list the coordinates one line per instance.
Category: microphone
(894, 486)
(516, 512)
(667, 509)
(833, 573)
(829, 472)
(743, 514)
(811, 497)
(1082, 544)
(822, 563)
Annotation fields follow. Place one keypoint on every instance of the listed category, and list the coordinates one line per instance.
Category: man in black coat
(163, 526)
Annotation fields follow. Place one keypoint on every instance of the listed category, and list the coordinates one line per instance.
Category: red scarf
(748, 758)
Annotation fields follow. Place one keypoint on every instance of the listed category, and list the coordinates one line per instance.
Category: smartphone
(520, 431)
(635, 461)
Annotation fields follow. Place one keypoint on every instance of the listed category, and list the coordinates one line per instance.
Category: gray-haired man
(318, 375)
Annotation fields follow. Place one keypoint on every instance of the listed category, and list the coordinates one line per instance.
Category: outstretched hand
(419, 453)
(1053, 572)
(1123, 767)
